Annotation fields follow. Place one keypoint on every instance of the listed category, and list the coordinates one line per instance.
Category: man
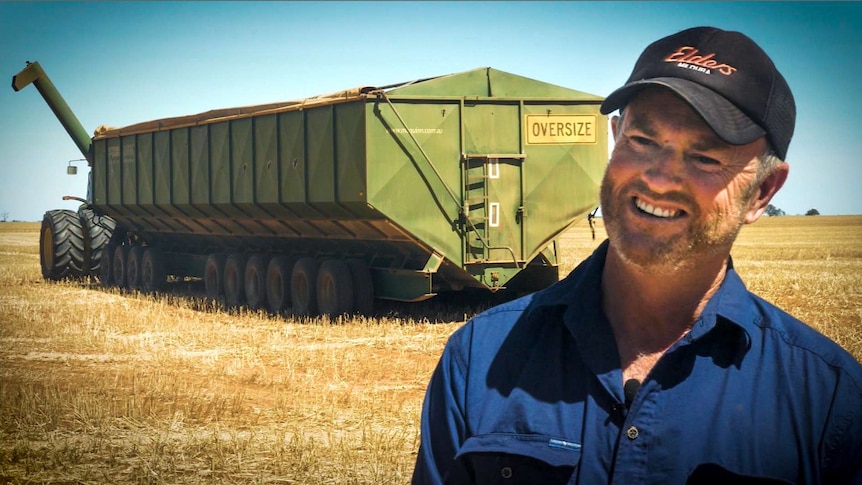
(651, 362)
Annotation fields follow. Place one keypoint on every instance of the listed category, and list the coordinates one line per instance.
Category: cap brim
(728, 122)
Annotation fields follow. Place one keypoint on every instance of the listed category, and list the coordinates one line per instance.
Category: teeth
(650, 209)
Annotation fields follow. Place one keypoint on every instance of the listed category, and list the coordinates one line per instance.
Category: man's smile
(664, 213)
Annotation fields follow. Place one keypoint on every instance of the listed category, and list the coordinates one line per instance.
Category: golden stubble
(103, 386)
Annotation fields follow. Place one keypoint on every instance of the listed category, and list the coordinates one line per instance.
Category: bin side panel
(100, 172)
(144, 146)
(350, 157)
(241, 160)
(114, 174)
(199, 166)
(162, 168)
(491, 128)
(266, 159)
(220, 172)
(320, 162)
(563, 183)
(401, 183)
(129, 171)
(180, 167)
(291, 147)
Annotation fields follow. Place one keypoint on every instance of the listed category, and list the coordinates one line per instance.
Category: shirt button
(506, 472)
(632, 433)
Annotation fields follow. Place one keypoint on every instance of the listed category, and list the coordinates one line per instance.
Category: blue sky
(118, 63)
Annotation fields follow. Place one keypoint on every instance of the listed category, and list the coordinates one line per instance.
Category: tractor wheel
(214, 276)
(278, 283)
(363, 287)
(133, 267)
(303, 287)
(97, 233)
(106, 267)
(119, 265)
(334, 288)
(61, 245)
(152, 270)
(255, 281)
(234, 280)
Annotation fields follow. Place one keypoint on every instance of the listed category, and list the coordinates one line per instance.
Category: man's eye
(641, 140)
(707, 161)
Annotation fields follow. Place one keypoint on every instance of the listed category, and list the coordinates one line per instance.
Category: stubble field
(101, 386)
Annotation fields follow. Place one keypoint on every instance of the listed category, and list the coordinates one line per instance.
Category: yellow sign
(561, 129)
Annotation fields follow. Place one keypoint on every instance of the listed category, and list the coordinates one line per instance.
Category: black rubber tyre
(278, 283)
(152, 270)
(133, 267)
(97, 233)
(106, 267)
(119, 266)
(61, 245)
(334, 288)
(255, 281)
(363, 287)
(214, 276)
(303, 287)
(234, 280)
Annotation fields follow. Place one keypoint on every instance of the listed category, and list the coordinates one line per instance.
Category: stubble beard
(703, 239)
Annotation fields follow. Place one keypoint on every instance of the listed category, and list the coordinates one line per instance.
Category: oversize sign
(560, 129)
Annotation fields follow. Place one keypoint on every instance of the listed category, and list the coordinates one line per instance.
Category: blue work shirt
(531, 392)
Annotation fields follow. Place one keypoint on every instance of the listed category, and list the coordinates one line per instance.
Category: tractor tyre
(334, 288)
(152, 270)
(61, 245)
(234, 280)
(106, 267)
(303, 287)
(278, 274)
(255, 281)
(120, 266)
(133, 267)
(214, 276)
(97, 233)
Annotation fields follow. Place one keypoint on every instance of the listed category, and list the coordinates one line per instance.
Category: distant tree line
(771, 210)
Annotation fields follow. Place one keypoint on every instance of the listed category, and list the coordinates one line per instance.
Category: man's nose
(665, 170)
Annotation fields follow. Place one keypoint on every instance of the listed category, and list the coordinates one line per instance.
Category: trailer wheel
(97, 231)
(119, 264)
(61, 245)
(303, 287)
(152, 270)
(278, 283)
(234, 277)
(133, 267)
(334, 288)
(363, 287)
(214, 276)
(106, 267)
(255, 281)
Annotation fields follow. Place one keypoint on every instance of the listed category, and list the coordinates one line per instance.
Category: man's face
(674, 193)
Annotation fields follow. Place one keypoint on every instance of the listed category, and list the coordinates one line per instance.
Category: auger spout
(34, 74)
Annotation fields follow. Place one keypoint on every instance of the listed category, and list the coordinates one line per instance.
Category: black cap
(726, 77)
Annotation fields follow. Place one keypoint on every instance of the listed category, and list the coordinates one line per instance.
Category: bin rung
(495, 155)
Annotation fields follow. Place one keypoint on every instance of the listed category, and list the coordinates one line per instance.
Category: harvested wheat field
(101, 386)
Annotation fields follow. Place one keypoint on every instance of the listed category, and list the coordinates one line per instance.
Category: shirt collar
(579, 298)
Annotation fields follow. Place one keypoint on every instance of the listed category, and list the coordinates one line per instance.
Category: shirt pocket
(514, 459)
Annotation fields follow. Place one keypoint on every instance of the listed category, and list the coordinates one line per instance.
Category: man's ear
(615, 120)
(768, 188)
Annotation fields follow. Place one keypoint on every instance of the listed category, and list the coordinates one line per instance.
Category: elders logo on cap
(726, 77)
(687, 57)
